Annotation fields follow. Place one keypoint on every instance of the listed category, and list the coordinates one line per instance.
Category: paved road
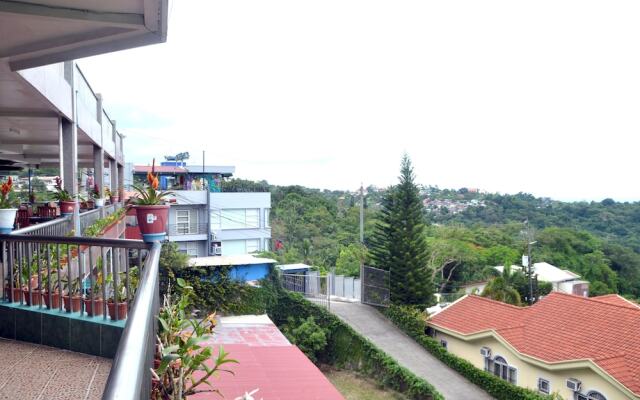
(373, 325)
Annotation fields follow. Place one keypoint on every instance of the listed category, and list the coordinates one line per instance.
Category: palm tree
(501, 288)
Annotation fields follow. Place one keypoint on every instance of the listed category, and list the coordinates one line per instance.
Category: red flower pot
(35, 297)
(89, 307)
(51, 300)
(67, 207)
(152, 221)
(122, 310)
(15, 296)
(72, 303)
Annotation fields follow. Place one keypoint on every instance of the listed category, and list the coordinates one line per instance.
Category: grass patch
(356, 387)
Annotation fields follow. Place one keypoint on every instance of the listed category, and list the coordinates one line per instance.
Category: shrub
(307, 335)
(413, 324)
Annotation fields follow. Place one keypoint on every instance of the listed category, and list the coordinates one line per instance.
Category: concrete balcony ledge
(67, 331)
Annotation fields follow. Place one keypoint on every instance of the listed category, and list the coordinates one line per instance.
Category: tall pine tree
(398, 243)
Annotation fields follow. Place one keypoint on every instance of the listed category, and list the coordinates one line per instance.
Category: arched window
(502, 369)
(594, 395)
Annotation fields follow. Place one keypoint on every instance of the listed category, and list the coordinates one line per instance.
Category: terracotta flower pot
(51, 300)
(152, 221)
(7, 219)
(67, 207)
(35, 298)
(122, 310)
(14, 296)
(115, 199)
(73, 303)
(89, 307)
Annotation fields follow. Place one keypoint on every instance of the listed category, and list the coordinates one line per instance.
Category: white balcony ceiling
(36, 33)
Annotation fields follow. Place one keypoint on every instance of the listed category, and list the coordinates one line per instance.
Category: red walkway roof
(560, 327)
(266, 361)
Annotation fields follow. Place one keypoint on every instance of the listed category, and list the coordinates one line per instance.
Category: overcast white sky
(508, 96)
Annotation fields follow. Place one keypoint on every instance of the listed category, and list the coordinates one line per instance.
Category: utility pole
(530, 242)
(361, 214)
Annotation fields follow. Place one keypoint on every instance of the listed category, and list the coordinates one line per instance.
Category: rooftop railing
(187, 229)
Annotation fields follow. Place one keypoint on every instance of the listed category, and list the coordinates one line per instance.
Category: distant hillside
(619, 222)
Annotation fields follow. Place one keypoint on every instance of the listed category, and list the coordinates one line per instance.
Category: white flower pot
(7, 219)
(99, 202)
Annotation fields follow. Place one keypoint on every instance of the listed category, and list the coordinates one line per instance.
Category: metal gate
(313, 286)
(375, 286)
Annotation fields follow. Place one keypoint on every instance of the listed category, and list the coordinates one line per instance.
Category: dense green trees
(399, 242)
(502, 288)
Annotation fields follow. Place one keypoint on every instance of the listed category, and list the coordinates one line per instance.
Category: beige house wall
(528, 372)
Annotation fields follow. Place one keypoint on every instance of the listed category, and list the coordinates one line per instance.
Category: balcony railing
(130, 377)
(63, 226)
(187, 229)
(56, 227)
(42, 271)
(90, 276)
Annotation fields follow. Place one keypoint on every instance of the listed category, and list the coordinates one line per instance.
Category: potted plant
(51, 297)
(15, 295)
(96, 195)
(30, 278)
(151, 212)
(67, 203)
(72, 300)
(8, 208)
(119, 295)
(97, 295)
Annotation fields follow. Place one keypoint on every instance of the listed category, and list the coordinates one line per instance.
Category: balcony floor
(34, 372)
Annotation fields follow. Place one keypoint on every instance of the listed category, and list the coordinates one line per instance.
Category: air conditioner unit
(217, 250)
(574, 385)
(486, 352)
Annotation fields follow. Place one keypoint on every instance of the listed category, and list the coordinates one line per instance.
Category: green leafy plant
(61, 194)
(95, 192)
(99, 226)
(181, 350)
(150, 195)
(307, 335)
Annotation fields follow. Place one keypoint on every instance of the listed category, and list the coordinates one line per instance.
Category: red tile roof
(560, 327)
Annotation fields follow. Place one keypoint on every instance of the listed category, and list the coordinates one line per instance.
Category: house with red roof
(581, 348)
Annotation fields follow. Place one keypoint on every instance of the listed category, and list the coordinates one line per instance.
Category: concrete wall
(528, 373)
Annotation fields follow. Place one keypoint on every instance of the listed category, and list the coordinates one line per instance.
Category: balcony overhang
(41, 32)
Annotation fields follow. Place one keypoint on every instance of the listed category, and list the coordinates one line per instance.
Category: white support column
(98, 171)
(113, 173)
(69, 158)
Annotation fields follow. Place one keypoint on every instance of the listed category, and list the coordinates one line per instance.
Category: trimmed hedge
(412, 323)
(348, 349)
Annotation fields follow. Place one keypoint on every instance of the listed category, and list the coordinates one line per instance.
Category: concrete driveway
(377, 328)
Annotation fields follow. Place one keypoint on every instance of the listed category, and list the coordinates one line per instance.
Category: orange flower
(155, 183)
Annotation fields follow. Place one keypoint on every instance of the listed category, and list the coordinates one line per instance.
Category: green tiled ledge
(55, 328)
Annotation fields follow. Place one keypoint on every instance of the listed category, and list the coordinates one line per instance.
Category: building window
(192, 249)
(592, 395)
(500, 368)
(183, 221)
(267, 217)
(543, 386)
(253, 245)
(248, 218)
(443, 343)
